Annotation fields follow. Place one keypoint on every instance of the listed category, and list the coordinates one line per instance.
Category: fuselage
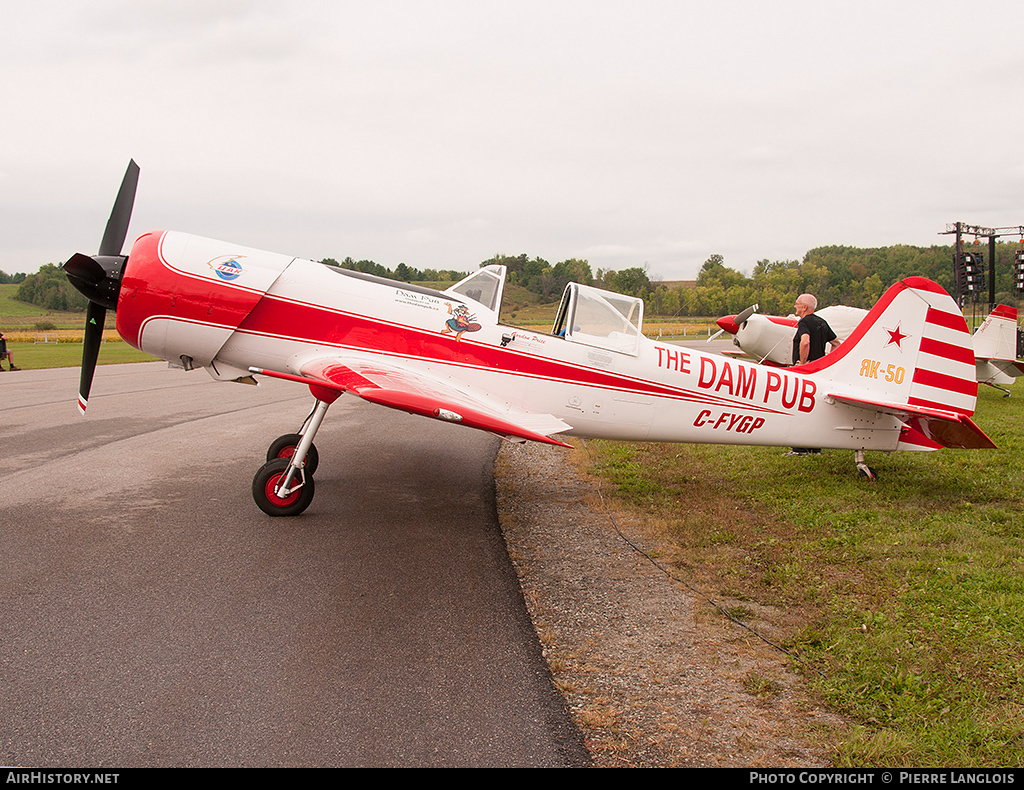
(200, 303)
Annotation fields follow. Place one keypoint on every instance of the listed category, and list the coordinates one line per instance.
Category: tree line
(851, 276)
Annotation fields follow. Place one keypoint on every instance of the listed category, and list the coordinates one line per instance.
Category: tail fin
(995, 349)
(911, 357)
(997, 337)
(912, 348)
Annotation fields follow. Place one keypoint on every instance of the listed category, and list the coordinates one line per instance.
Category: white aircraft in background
(903, 381)
(769, 339)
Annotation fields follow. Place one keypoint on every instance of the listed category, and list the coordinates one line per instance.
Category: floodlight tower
(961, 228)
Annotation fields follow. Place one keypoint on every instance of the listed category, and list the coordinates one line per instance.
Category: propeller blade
(94, 318)
(121, 214)
(714, 336)
(98, 277)
(741, 318)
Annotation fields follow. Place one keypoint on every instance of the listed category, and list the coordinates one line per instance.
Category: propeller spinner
(98, 277)
(733, 323)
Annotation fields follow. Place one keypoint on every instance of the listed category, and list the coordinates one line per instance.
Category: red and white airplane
(769, 339)
(903, 381)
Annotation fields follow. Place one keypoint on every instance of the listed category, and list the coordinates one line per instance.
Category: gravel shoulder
(653, 673)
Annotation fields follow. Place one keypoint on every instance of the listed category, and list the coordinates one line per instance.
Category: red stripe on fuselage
(153, 288)
(317, 325)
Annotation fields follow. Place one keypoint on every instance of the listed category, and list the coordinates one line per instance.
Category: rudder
(996, 338)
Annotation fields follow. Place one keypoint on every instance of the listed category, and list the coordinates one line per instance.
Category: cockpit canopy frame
(606, 320)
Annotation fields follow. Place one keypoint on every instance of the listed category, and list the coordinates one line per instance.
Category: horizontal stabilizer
(1012, 368)
(945, 428)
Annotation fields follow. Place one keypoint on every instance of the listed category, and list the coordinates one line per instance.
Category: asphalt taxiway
(153, 616)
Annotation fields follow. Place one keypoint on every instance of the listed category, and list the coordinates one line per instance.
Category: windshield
(606, 320)
(483, 286)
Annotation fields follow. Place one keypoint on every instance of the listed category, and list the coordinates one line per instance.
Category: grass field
(52, 339)
(36, 356)
(901, 600)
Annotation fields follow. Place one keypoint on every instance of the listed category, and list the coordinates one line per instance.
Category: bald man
(812, 332)
(812, 335)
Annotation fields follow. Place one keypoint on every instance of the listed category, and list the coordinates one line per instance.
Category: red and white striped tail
(911, 357)
(946, 376)
(913, 348)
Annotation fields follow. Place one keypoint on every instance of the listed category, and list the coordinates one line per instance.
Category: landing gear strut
(863, 469)
(285, 446)
(284, 484)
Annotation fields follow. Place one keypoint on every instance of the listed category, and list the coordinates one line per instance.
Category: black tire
(284, 447)
(266, 480)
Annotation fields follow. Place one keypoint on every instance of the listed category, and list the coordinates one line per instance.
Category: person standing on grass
(813, 334)
(5, 353)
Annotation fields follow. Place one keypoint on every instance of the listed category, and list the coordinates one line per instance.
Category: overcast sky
(439, 133)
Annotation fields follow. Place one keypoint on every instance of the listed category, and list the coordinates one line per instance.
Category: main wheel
(264, 485)
(284, 447)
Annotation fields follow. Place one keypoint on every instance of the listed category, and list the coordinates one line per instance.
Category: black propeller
(742, 317)
(98, 277)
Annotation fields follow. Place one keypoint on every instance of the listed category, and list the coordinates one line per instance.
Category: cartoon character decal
(461, 321)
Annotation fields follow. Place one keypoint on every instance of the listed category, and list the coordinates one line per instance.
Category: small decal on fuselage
(418, 300)
(227, 267)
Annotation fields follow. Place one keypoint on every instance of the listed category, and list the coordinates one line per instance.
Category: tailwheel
(290, 502)
(284, 447)
(863, 470)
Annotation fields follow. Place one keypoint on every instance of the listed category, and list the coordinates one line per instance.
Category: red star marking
(895, 336)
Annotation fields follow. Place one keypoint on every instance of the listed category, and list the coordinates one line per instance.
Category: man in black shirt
(812, 335)
(812, 332)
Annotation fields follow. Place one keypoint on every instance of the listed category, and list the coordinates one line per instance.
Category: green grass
(36, 356)
(908, 591)
(29, 322)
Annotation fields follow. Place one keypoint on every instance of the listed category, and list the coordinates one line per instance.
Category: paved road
(152, 616)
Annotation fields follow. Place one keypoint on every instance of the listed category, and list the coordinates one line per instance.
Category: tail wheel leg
(863, 469)
(284, 485)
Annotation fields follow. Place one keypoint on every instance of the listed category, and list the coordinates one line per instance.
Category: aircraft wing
(946, 428)
(397, 387)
